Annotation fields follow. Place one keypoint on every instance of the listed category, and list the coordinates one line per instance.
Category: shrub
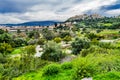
(1, 69)
(57, 39)
(41, 41)
(79, 44)
(20, 42)
(52, 52)
(67, 65)
(51, 69)
(2, 31)
(47, 34)
(32, 42)
(91, 36)
(106, 45)
(67, 38)
(108, 63)
(64, 34)
(2, 58)
(30, 50)
(5, 48)
(84, 67)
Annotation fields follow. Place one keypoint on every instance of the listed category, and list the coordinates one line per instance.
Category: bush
(64, 34)
(52, 52)
(32, 41)
(2, 58)
(47, 34)
(84, 69)
(41, 41)
(57, 40)
(29, 50)
(1, 69)
(91, 36)
(20, 42)
(67, 65)
(106, 45)
(51, 69)
(67, 38)
(79, 44)
(5, 48)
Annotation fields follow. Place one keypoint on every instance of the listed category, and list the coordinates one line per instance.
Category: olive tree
(79, 44)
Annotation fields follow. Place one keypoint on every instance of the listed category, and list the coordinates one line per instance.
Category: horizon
(54, 10)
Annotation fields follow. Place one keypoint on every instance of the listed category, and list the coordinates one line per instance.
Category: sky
(19, 11)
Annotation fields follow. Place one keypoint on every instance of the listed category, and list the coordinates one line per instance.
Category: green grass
(63, 75)
(108, 76)
(105, 32)
(17, 51)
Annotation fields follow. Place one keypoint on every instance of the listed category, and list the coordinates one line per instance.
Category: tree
(41, 41)
(18, 42)
(47, 34)
(2, 31)
(18, 31)
(79, 44)
(64, 34)
(5, 48)
(52, 52)
(5, 38)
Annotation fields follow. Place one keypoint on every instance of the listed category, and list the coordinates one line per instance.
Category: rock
(87, 79)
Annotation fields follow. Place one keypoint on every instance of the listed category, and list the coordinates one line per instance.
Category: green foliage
(5, 48)
(5, 38)
(51, 69)
(47, 34)
(79, 44)
(91, 36)
(2, 31)
(30, 50)
(41, 41)
(18, 42)
(2, 58)
(67, 65)
(67, 38)
(18, 31)
(57, 39)
(1, 69)
(84, 68)
(32, 42)
(34, 34)
(107, 45)
(108, 76)
(52, 52)
(64, 34)
(16, 51)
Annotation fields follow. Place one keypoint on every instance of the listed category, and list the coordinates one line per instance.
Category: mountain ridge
(33, 23)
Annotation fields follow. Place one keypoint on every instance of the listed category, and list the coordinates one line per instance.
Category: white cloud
(56, 10)
(113, 12)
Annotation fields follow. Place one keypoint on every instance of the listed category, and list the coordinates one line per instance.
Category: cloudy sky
(18, 11)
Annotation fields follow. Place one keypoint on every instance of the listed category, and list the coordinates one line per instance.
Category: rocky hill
(84, 16)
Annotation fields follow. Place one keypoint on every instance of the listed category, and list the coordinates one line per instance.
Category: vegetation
(90, 48)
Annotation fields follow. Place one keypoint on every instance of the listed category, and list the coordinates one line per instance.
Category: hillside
(34, 23)
(84, 16)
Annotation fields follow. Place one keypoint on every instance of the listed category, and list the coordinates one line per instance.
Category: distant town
(31, 28)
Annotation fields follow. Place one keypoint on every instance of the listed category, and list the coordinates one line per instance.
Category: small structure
(38, 51)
